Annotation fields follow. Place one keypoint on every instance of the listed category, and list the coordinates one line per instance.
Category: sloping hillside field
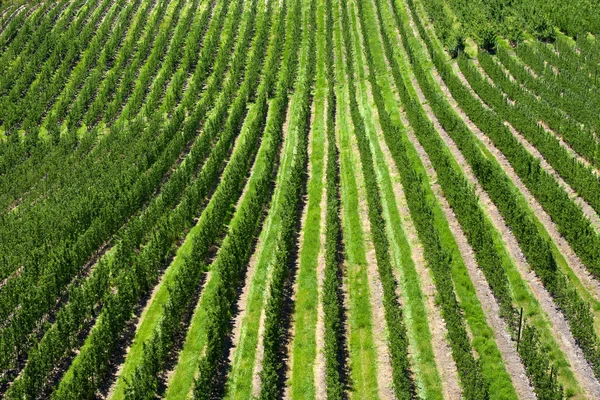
(300, 199)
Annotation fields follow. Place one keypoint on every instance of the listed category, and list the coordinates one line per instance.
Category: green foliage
(404, 385)
(493, 179)
(456, 43)
(436, 255)
(231, 185)
(170, 226)
(544, 30)
(487, 38)
(120, 123)
(235, 252)
(546, 107)
(511, 18)
(569, 217)
(281, 276)
(332, 297)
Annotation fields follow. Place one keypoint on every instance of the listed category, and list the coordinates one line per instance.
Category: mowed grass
(304, 345)
(415, 315)
(363, 357)
(520, 288)
(484, 343)
(240, 380)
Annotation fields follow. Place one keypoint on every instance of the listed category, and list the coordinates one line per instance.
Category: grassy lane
(409, 275)
(155, 310)
(427, 376)
(239, 383)
(181, 381)
(483, 340)
(246, 359)
(183, 376)
(335, 349)
(69, 375)
(363, 355)
(307, 295)
(463, 286)
(522, 286)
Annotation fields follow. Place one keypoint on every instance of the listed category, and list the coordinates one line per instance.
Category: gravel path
(575, 264)
(560, 327)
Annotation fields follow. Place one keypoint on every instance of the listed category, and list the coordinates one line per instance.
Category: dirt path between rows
(384, 368)
(442, 352)
(260, 352)
(593, 169)
(574, 262)
(588, 211)
(560, 326)
(488, 303)
(320, 383)
(319, 369)
(549, 130)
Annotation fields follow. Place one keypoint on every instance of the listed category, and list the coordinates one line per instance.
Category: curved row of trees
(536, 247)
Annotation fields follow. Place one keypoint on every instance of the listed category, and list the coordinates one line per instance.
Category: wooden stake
(520, 325)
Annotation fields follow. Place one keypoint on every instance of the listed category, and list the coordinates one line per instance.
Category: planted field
(286, 199)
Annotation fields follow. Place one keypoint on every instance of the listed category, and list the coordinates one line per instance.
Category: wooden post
(520, 325)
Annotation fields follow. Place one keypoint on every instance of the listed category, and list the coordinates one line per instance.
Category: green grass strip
(427, 377)
(491, 361)
(363, 357)
(307, 297)
(521, 292)
(239, 384)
